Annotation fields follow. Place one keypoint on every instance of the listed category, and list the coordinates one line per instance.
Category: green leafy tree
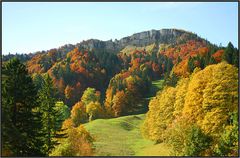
(196, 142)
(186, 139)
(63, 113)
(228, 145)
(90, 95)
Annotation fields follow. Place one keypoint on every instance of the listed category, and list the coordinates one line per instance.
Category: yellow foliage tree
(160, 114)
(119, 103)
(90, 95)
(182, 87)
(78, 143)
(94, 110)
(198, 117)
(194, 96)
(108, 102)
(212, 95)
(176, 135)
(78, 114)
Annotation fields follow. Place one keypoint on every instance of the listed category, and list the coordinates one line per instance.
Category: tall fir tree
(191, 65)
(208, 58)
(21, 121)
(228, 53)
(50, 114)
(235, 57)
(169, 65)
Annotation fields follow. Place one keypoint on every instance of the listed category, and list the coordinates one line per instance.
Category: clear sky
(31, 27)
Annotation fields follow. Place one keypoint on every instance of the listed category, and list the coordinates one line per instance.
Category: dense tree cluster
(198, 116)
(21, 57)
(81, 69)
(32, 116)
(88, 108)
(153, 65)
(124, 93)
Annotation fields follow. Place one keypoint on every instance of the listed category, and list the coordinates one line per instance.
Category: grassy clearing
(142, 106)
(128, 49)
(122, 137)
(156, 86)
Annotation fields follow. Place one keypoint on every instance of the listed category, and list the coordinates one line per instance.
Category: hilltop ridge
(162, 36)
(144, 38)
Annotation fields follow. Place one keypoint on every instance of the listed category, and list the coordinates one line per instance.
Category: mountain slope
(93, 63)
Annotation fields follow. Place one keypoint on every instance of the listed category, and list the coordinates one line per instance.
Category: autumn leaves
(201, 106)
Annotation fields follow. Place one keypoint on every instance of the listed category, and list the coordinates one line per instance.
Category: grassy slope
(122, 136)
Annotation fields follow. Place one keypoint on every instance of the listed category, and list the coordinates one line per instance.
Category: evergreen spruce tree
(21, 121)
(235, 58)
(50, 114)
(191, 65)
(212, 61)
(209, 59)
(169, 65)
(38, 81)
(228, 53)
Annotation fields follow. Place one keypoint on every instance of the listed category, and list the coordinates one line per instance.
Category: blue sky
(31, 27)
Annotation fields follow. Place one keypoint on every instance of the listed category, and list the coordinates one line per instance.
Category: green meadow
(122, 136)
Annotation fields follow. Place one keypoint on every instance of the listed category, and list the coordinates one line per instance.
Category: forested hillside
(48, 96)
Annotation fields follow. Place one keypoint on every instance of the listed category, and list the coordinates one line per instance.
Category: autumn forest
(174, 93)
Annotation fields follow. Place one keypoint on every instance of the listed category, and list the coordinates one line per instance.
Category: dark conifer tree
(228, 53)
(235, 58)
(169, 65)
(50, 115)
(191, 65)
(21, 120)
